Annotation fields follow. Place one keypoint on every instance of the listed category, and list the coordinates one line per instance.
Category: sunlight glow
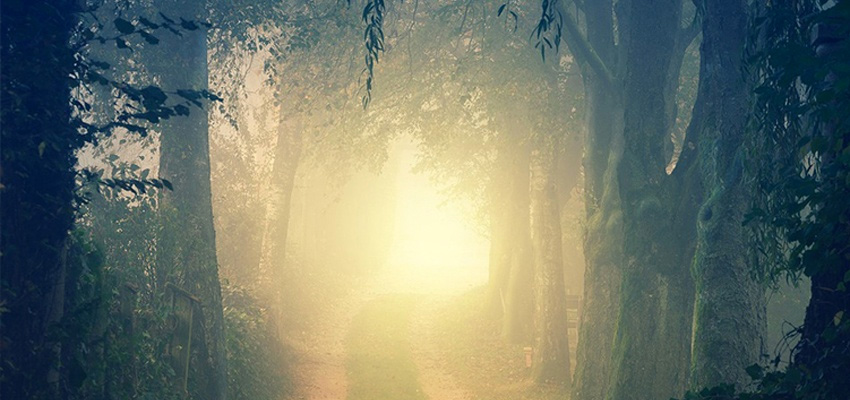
(435, 249)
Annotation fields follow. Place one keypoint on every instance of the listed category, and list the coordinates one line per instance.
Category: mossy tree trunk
(656, 293)
(603, 236)
(638, 293)
(551, 343)
(729, 316)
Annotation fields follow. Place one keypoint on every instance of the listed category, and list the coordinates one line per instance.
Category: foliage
(48, 78)
(114, 335)
(257, 361)
(37, 184)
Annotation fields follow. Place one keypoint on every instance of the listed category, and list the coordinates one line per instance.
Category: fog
(445, 200)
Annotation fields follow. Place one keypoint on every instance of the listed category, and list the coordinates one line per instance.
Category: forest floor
(375, 343)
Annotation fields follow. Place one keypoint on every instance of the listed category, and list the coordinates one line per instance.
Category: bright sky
(435, 248)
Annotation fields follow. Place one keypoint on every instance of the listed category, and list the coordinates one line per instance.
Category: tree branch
(580, 47)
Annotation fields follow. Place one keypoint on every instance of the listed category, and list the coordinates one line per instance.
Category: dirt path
(320, 355)
(320, 350)
(429, 358)
(320, 370)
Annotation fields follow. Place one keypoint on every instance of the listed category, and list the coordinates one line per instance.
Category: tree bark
(603, 238)
(657, 293)
(287, 158)
(604, 229)
(638, 292)
(516, 321)
(187, 246)
(500, 262)
(729, 315)
(551, 343)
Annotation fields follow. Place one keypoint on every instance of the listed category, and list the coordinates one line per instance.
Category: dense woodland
(184, 182)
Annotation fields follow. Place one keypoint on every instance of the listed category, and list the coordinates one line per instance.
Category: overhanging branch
(580, 47)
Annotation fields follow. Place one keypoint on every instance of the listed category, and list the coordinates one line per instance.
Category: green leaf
(148, 23)
(124, 26)
(755, 371)
(149, 38)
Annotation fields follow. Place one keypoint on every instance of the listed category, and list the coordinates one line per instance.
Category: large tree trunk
(638, 292)
(602, 251)
(551, 343)
(656, 294)
(187, 246)
(729, 320)
(604, 226)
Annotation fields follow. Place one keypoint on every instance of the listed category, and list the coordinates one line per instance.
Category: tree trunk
(604, 229)
(637, 284)
(551, 343)
(500, 246)
(287, 158)
(729, 320)
(656, 294)
(187, 246)
(602, 244)
(516, 321)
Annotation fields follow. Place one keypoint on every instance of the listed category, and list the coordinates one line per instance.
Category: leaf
(188, 25)
(149, 38)
(148, 23)
(153, 97)
(123, 25)
(755, 371)
(164, 17)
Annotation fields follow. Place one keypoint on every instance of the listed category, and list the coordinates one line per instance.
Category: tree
(639, 235)
(186, 246)
(551, 345)
(729, 314)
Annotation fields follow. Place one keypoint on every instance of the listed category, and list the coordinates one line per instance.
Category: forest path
(349, 344)
(319, 349)
(430, 358)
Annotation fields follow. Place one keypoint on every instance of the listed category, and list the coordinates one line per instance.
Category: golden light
(434, 248)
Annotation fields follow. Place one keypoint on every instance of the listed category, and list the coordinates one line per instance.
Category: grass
(483, 364)
(379, 363)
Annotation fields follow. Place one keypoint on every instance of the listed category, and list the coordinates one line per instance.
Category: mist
(445, 200)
